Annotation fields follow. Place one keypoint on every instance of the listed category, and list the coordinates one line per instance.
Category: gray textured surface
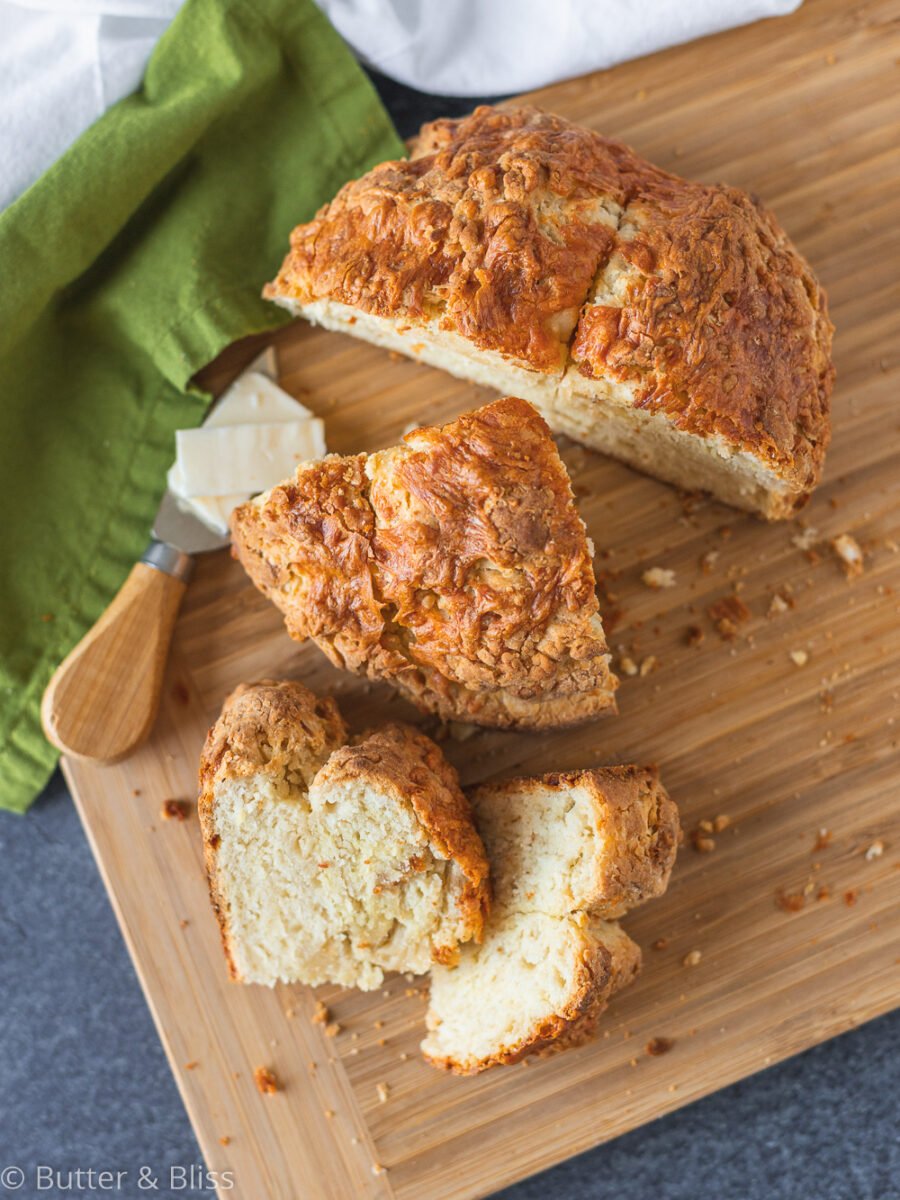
(84, 1082)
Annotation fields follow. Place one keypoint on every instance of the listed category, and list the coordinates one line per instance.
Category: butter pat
(255, 399)
(214, 511)
(227, 460)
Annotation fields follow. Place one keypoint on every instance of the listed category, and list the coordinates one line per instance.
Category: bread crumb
(702, 843)
(727, 614)
(191, 1066)
(173, 810)
(328, 1114)
(648, 665)
(225, 1140)
(806, 539)
(382, 1092)
(377, 1169)
(875, 850)
(321, 1015)
(708, 561)
(790, 901)
(265, 1081)
(660, 944)
(850, 553)
(658, 577)
(628, 666)
(799, 658)
(823, 839)
(659, 1045)
(332, 1029)
(694, 635)
(850, 897)
(778, 605)
(692, 959)
(721, 822)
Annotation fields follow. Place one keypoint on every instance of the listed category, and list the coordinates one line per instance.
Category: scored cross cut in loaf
(454, 566)
(667, 322)
(568, 854)
(328, 861)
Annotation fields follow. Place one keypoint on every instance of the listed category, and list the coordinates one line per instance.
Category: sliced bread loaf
(330, 861)
(568, 852)
(455, 567)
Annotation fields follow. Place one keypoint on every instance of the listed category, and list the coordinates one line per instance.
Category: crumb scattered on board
(173, 810)
(265, 1080)
(849, 552)
(728, 614)
(658, 577)
(659, 1045)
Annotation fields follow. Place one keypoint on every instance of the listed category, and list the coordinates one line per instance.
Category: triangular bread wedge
(672, 324)
(568, 854)
(328, 861)
(454, 566)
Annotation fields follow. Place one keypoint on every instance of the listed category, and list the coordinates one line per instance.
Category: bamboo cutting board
(796, 928)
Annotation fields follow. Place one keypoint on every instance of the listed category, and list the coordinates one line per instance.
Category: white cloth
(498, 47)
(64, 62)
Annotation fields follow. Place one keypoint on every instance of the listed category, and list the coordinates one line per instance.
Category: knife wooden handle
(102, 700)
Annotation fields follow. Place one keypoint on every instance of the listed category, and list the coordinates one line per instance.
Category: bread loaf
(671, 324)
(455, 567)
(331, 861)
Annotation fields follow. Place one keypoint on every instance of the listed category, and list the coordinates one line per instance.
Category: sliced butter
(255, 399)
(214, 511)
(236, 459)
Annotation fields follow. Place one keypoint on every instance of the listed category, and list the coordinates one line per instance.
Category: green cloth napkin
(126, 268)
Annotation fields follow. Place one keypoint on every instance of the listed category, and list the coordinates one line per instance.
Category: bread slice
(329, 861)
(672, 324)
(568, 853)
(454, 566)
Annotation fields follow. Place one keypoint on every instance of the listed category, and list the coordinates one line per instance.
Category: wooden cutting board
(797, 931)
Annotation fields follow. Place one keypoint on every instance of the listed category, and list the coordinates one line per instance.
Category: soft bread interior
(544, 851)
(562, 843)
(335, 883)
(529, 968)
(600, 413)
(535, 979)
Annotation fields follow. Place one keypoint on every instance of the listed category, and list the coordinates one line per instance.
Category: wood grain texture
(103, 698)
(804, 112)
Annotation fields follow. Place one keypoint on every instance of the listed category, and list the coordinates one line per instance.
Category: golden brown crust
(406, 763)
(722, 327)
(266, 726)
(492, 228)
(497, 228)
(456, 567)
